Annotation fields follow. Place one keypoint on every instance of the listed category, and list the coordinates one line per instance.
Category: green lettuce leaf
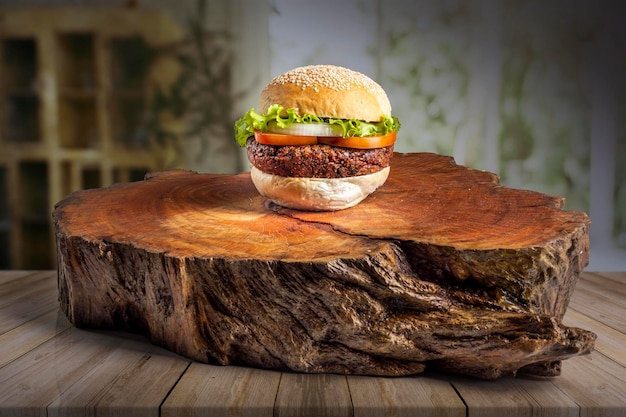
(251, 121)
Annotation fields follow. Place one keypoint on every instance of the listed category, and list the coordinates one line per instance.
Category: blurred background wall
(532, 90)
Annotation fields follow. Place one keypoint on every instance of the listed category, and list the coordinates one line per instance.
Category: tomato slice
(281, 139)
(367, 142)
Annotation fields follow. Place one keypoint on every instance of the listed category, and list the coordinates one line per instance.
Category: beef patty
(317, 161)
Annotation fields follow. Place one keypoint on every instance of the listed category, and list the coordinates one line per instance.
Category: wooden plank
(20, 284)
(597, 383)
(610, 288)
(25, 302)
(600, 303)
(208, 390)
(313, 395)
(81, 372)
(31, 382)
(405, 397)
(6, 276)
(31, 334)
(619, 276)
(132, 380)
(514, 397)
(610, 342)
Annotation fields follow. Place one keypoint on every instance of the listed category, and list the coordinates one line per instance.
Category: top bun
(327, 91)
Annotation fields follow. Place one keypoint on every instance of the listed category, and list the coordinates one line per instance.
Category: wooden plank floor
(48, 367)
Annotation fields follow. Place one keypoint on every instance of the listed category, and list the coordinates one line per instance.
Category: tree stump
(442, 267)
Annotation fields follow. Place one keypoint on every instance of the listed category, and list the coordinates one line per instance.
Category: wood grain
(442, 267)
(515, 397)
(405, 397)
(60, 370)
(21, 284)
(12, 275)
(618, 276)
(598, 302)
(597, 383)
(45, 372)
(319, 395)
(26, 298)
(610, 342)
(430, 199)
(131, 380)
(31, 334)
(219, 391)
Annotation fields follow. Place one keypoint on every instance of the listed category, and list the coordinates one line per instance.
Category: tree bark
(442, 267)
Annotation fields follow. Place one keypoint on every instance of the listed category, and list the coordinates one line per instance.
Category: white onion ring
(307, 129)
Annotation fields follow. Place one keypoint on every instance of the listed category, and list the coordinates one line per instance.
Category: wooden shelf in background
(69, 108)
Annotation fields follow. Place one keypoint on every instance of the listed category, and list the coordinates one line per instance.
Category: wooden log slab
(442, 267)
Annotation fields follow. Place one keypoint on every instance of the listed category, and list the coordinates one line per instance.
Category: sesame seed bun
(327, 91)
(321, 176)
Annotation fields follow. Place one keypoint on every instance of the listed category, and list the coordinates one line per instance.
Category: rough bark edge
(169, 287)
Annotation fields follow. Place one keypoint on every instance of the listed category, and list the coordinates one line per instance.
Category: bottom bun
(319, 194)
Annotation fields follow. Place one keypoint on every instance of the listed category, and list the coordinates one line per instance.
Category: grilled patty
(317, 161)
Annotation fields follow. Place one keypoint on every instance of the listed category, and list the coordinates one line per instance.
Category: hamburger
(322, 138)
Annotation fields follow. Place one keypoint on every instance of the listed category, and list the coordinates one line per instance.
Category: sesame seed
(329, 76)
